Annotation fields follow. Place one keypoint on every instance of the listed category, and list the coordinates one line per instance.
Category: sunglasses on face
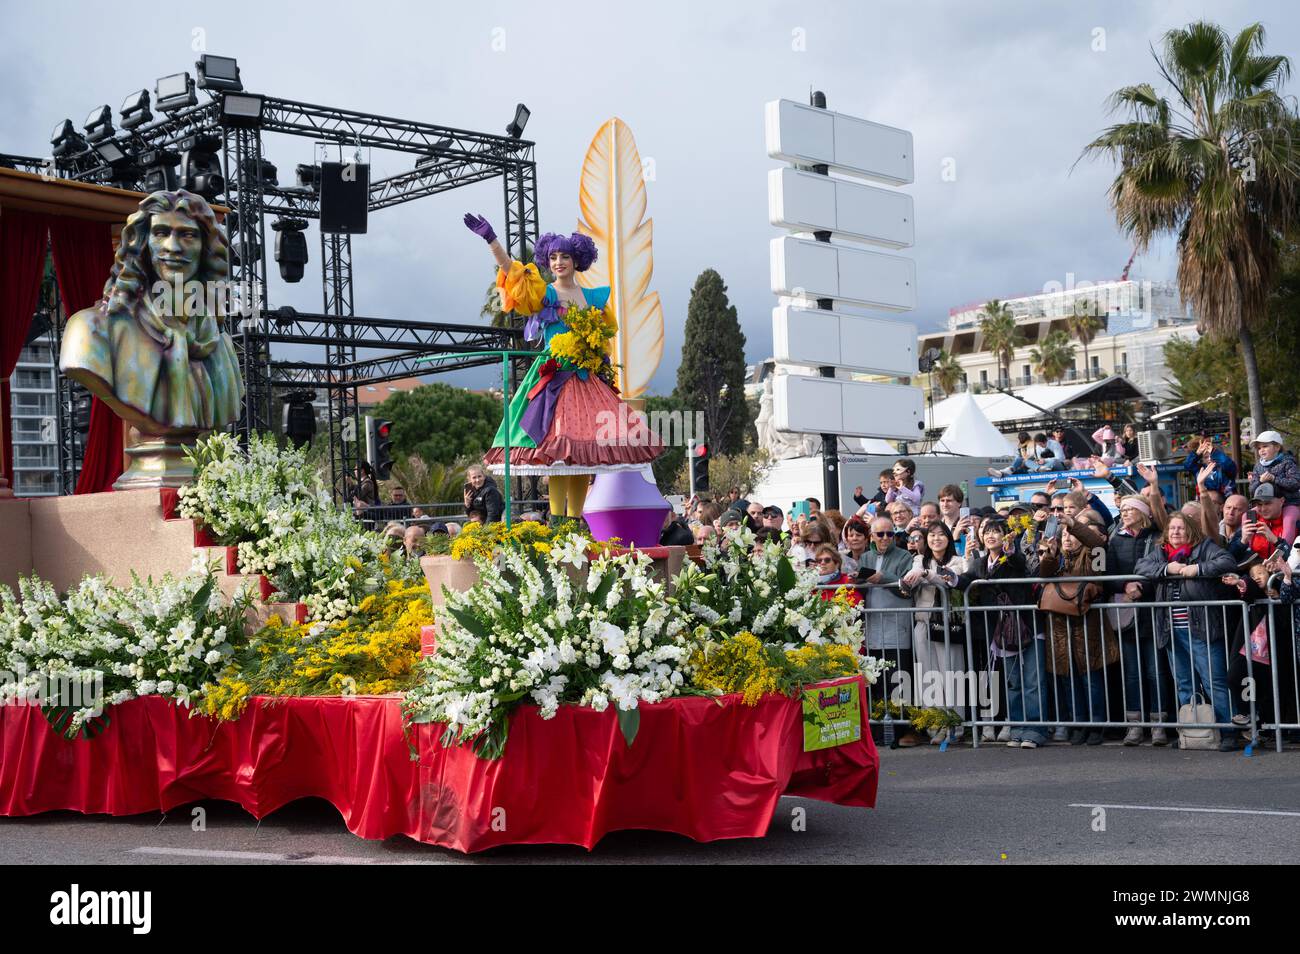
(1058, 510)
(882, 534)
(827, 560)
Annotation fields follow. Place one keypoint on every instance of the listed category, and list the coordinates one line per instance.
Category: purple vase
(626, 505)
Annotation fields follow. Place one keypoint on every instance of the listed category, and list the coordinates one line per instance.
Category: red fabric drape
(705, 768)
(83, 257)
(22, 260)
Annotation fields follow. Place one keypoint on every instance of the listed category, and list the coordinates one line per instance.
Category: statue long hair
(133, 274)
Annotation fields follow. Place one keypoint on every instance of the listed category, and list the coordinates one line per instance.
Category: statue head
(174, 236)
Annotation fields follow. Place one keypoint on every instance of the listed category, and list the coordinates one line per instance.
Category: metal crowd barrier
(1212, 660)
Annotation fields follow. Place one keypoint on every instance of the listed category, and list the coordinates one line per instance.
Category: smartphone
(800, 508)
(1051, 526)
(1252, 515)
(964, 512)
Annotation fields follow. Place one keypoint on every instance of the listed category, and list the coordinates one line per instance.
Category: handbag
(1258, 643)
(1197, 710)
(1012, 633)
(1056, 599)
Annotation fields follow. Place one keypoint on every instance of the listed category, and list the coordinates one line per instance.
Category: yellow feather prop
(612, 201)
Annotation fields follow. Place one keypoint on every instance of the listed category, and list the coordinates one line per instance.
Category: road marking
(253, 855)
(1174, 808)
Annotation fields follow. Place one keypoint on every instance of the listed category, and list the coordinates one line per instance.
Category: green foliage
(1001, 334)
(431, 482)
(668, 464)
(439, 423)
(744, 470)
(948, 373)
(711, 376)
(1054, 356)
(1211, 365)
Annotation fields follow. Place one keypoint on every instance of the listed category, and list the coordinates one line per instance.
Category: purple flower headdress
(577, 246)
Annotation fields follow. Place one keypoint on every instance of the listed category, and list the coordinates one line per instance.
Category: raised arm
(483, 229)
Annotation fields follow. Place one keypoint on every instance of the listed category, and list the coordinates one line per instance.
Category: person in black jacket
(1146, 670)
(1187, 567)
(1009, 634)
(481, 493)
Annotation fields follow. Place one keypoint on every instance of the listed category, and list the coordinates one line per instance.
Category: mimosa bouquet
(585, 346)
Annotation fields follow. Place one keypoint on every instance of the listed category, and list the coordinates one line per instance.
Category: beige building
(1141, 317)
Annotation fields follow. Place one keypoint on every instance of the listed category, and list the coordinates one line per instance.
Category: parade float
(219, 629)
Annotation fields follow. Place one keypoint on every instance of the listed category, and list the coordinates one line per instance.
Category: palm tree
(1217, 164)
(1085, 326)
(1054, 356)
(1001, 335)
(948, 373)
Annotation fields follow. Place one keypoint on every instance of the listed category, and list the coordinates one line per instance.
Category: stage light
(111, 153)
(237, 249)
(285, 317)
(66, 142)
(99, 125)
(242, 110)
(516, 128)
(261, 170)
(200, 168)
(135, 110)
(160, 170)
(218, 72)
(174, 92)
(290, 248)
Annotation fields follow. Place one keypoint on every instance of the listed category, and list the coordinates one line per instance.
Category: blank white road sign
(807, 135)
(811, 269)
(811, 336)
(810, 405)
(808, 202)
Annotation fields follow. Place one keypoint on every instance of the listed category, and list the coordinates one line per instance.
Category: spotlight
(290, 248)
(241, 109)
(174, 92)
(218, 72)
(284, 317)
(262, 170)
(516, 128)
(160, 170)
(65, 141)
(111, 152)
(200, 168)
(99, 125)
(237, 251)
(135, 110)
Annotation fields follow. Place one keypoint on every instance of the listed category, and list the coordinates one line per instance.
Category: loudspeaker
(344, 197)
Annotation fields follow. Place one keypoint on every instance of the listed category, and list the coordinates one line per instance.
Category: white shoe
(988, 735)
(1013, 743)
(1029, 744)
(1005, 734)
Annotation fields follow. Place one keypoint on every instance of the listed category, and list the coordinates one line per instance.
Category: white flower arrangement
(526, 632)
(744, 588)
(270, 503)
(114, 644)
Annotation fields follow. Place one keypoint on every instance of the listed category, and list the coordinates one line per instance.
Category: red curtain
(22, 261)
(83, 257)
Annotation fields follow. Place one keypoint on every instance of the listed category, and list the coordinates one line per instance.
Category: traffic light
(379, 446)
(698, 456)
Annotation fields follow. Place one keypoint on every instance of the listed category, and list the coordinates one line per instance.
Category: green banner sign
(832, 715)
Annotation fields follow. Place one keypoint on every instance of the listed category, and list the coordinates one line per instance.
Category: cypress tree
(711, 376)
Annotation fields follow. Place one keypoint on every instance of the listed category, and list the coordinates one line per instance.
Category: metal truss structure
(446, 158)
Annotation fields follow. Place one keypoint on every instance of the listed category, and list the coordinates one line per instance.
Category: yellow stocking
(578, 484)
(557, 489)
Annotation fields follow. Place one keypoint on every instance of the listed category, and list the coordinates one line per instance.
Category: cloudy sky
(1005, 93)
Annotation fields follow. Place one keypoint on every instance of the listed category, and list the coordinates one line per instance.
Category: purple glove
(480, 227)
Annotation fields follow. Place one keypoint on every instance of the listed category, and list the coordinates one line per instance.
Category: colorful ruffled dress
(563, 420)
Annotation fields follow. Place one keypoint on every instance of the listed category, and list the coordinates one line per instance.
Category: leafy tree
(431, 483)
(711, 376)
(1213, 365)
(667, 465)
(1054, 356)
(1085, 325)
(439, 423)
(948, 373)
(744, 470)
(1217, 164)
(1001, 336)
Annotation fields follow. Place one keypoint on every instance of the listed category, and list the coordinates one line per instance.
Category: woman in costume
(567, 420)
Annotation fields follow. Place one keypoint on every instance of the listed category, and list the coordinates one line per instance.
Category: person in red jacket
(1266, 531)
(830, 572)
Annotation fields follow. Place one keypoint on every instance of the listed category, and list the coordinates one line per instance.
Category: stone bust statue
(153, 348)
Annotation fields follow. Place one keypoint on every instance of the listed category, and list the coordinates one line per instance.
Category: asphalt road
(995, 805)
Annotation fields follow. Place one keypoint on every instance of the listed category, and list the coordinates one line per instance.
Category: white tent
(1001, 408)
(969, 433)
